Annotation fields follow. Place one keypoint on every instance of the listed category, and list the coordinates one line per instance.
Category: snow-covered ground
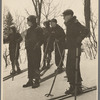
(13, 90)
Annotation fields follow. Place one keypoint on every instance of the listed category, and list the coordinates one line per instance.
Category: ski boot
(71, 90)
(12, 72)
(36, 84)
(18, 71)
(28, 84)
(59, 70)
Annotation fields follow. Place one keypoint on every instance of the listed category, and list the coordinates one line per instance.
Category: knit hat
(47, 23)
(53, 20)
(32, 18)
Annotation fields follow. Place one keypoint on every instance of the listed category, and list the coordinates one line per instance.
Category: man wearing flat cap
(59, 36)
(75, 33)
(33, 42)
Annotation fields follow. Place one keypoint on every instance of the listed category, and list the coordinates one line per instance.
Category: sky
(19, 6)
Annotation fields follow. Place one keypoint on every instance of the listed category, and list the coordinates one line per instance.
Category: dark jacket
(75, 33)
(47, 38)
(13, 39)
(46, 33)
(58, 33)
(34, 37)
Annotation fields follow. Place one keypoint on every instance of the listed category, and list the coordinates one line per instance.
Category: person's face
(29, 23)
(67, 18)
(53, 24)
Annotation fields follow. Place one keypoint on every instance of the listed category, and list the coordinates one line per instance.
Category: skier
(14, 39)
(75, 33)
(33, 42)
(48, 44)
(59, 36)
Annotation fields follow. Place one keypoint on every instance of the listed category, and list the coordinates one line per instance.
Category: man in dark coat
(75, 33)
(48, 44)
(59, 37)
(14, 40)
(33, 42)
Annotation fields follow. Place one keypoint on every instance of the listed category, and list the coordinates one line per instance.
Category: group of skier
(52, 37)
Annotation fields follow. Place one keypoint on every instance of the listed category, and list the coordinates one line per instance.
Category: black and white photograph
(49, 50)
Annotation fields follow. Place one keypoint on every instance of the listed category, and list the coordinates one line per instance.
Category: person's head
(53, 22)
(46, 23)
(12, 29)
(68, 14)
(31, 20)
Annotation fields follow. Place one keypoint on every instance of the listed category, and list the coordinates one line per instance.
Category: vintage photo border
(1, 84)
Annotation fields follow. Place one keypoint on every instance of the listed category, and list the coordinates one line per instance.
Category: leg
(37, 60)
(12, 58)
(17, 63)
(30, 68)
(70, 69)
(58, 54)
(49, 58)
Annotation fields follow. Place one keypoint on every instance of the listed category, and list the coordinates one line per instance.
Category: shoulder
(60, 28)
(39, 29)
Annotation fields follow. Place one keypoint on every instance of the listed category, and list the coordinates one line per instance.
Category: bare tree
(91, 24)
(38, 7)
(87, 13)
(49, 10)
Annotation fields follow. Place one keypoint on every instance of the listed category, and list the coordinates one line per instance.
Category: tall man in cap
(75, 33)
(33, 42)
(59, 37)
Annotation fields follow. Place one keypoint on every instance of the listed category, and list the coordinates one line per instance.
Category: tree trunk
(87, 13)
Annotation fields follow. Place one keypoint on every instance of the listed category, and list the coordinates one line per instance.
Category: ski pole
(49, 94)
(76, 72)
(59, 51)
(45, 52)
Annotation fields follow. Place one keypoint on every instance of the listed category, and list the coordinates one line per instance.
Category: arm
(83, 32)
(6, 39)
(19, 38)
(40, 37)
(60, 35)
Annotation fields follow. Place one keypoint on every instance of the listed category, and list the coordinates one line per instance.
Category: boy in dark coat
(14, 40)
(33, 42)
(59, 37)
(48, 44)
(75, 33)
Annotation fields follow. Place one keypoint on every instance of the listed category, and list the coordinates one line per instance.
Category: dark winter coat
(14, 39)
(58, 33)
(34, 37)
(75, 33)
(47, 39)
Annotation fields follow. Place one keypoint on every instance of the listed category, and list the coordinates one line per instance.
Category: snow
(13, 90)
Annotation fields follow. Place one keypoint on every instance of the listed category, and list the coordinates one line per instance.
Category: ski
(49, 76)
(42, 72)
(85, 90)
(10, 76)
